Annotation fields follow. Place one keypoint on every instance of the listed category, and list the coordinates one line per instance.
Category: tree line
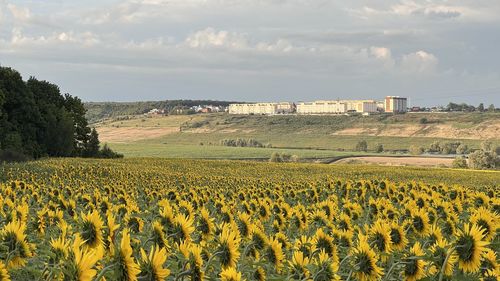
(36, 120)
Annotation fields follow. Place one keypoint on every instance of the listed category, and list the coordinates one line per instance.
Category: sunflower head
(470, 246)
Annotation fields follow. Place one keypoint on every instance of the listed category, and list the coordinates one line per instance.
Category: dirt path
(399, 161)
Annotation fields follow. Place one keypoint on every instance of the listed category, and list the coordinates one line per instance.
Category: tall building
(395, 104)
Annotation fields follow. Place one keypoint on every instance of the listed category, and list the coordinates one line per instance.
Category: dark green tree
(480, 107)
(92, 149)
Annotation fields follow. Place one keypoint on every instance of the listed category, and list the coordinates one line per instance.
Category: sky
(432, 51)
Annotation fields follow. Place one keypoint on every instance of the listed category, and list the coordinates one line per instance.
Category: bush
(107, 152)
(243, 143)
(416, 150)
(295, 158)
(481, 159)
(379, 148)
(276, 158)
(462, 149)
(361, 146)
(12, 156)
(423, 120)
(459, 163)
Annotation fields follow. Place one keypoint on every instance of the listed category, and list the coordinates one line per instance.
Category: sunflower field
(144, 219)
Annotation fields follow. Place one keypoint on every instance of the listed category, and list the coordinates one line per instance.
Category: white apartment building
(321, 107)
(263, 108)
(396, 104)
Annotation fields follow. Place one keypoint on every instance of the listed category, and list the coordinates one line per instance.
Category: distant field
(198, 136)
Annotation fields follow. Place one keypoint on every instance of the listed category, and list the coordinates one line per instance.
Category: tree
(491, 108)
(379, 148)
(36, 120)
(481, 159)
(480, 107)
(459, 163)
(92, 147)
(82, 130)
(361, 146)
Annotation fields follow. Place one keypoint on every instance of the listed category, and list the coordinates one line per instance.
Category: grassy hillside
(199, 136)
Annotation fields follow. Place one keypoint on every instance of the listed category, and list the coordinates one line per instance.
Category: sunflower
(489, 261)
(258, 237)
(322, 241)
(305, 245)
(134, 223)
(111, 231)
(206, 224)
(230, 274)
(414, 267)
(439, 252)
(192, 254)
(491, 275)
(434, 234)
(152, 266)
(327, 267)
(380, 236)
(158, 236)
(128, 269)
(4, 273)
(59, 248)
(244, 222)
(470, 246)
(274, 254)
(259, 274)
(420, 222)
(298, 266)
(487, 221)
(364, 262)
(92, 227)
(398, 237)
(82, 261)
(228, 250)
(14, 238)
(183, 228)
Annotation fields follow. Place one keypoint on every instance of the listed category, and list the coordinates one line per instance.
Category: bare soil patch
(130, 134)
(486, 130)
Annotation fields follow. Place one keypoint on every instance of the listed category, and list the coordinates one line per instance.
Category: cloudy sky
(432, 51)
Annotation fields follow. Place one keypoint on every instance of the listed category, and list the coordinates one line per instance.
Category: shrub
(423, 120)
(276, 158)
(379, 148)
(462, 149)
(416, 150)
(107, 152)
(243, 143)
(361, 146)
(459, 163)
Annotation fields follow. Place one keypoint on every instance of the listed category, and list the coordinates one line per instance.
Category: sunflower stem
(387, 276)
(443, 267)
(182, 274)
(349, 277)
(104, 270)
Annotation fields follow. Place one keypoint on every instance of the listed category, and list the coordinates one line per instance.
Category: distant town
(391, 104)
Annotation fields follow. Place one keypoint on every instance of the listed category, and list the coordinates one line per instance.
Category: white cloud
(209, 37)
(19, 13)
(419, 62)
